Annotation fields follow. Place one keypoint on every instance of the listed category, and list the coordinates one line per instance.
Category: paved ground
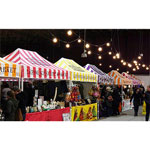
(126, 116)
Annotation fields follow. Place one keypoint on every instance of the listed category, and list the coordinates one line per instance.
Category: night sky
(130, 43)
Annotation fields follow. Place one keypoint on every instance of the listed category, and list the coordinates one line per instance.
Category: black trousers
(147, 112)
(136, 109)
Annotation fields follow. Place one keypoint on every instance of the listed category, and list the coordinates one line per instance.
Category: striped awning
(134, 81)
(9, 69)
(78, 73)
(103, 78)
(119, 79)
(34, 66)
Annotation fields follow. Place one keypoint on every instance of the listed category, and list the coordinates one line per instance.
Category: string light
(143, 65)
(110, 53)
(87, 45)
(100, 49)
(89, 52)
(55, 40)
(139, 57)
(79, 40)
(110, 66)
(135, 62)
(114, 57)
(128, 72)
(117, 69)
(147, 68)
(139, 64)
(99, 57)
(69, 32)
(124, 63)
(134, 69)
(108, 44)
(100, 64)
(118, 55)
(129, 65)
(67, 45)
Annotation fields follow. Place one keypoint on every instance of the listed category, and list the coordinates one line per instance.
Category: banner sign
(84, 113)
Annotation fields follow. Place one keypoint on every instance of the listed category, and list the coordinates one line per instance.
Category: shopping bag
(144, 108)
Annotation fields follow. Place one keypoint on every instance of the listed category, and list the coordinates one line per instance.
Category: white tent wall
(145, 79)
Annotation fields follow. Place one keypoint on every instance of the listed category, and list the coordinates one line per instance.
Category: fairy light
(139, 57)
(89, 52)
(118, 55)
(143, 65)
(100, 64)
(87, 45)
(135, 62)
(139, 64)
(110, 53)
(108, 44)
(79, 40)
(128, 72)
(99, 57)
(117, 69)
(100, 49)
(69, 32)
(147, 68)
(55, 40)
(129, 65)
(114, 57)
(67, 45)
(134, 69)
(110, 66)
(122, 61)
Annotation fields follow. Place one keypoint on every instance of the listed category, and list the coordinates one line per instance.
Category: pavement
(126, 116)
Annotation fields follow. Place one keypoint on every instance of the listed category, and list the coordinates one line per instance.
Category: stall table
(51, 115)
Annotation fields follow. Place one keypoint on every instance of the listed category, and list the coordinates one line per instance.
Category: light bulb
(139, 57)
(118, 55)
(100, 49)
(67, 45)
(69, 32)
(87, 45)
(117, 69)
(134, 69)
(129, 65)
(100, 64)
(124, 63)
(99, 57)
(135, 62)
(110, 53)
(108, 44)
(114, 57)
(55, 40)
(139, 64)
(89, 52)
(143, 65)
(110, 66)
(127, 71)
(79, 40)
(147, 68)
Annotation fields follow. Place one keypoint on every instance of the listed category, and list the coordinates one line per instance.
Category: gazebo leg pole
(22, 84)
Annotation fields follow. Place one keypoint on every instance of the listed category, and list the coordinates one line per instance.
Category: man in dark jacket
(136, 97)
(10, 107)
(21, 97)
(147, 100)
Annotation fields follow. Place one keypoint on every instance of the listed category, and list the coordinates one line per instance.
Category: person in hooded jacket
(147, 100)
(136, 98)
(10, 107)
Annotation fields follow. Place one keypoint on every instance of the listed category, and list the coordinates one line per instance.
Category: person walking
(10, 107)
(136, 98)
(147, 100)
(21, 97)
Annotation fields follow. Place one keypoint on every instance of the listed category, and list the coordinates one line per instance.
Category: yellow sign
(84, 113)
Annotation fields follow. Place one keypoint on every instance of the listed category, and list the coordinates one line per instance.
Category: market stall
(81, 79)
(103, 78)
(121, 80)
(35, 67)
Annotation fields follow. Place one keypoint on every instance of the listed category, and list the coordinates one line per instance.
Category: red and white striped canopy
(35, 66)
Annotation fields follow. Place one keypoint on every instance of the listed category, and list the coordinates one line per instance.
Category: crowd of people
(14, 102)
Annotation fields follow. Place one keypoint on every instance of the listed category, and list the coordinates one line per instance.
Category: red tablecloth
(51, 115)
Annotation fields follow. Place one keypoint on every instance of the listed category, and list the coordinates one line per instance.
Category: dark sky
(130, 43)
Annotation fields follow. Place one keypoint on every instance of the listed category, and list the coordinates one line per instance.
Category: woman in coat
(136, 98)
(10, 107)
